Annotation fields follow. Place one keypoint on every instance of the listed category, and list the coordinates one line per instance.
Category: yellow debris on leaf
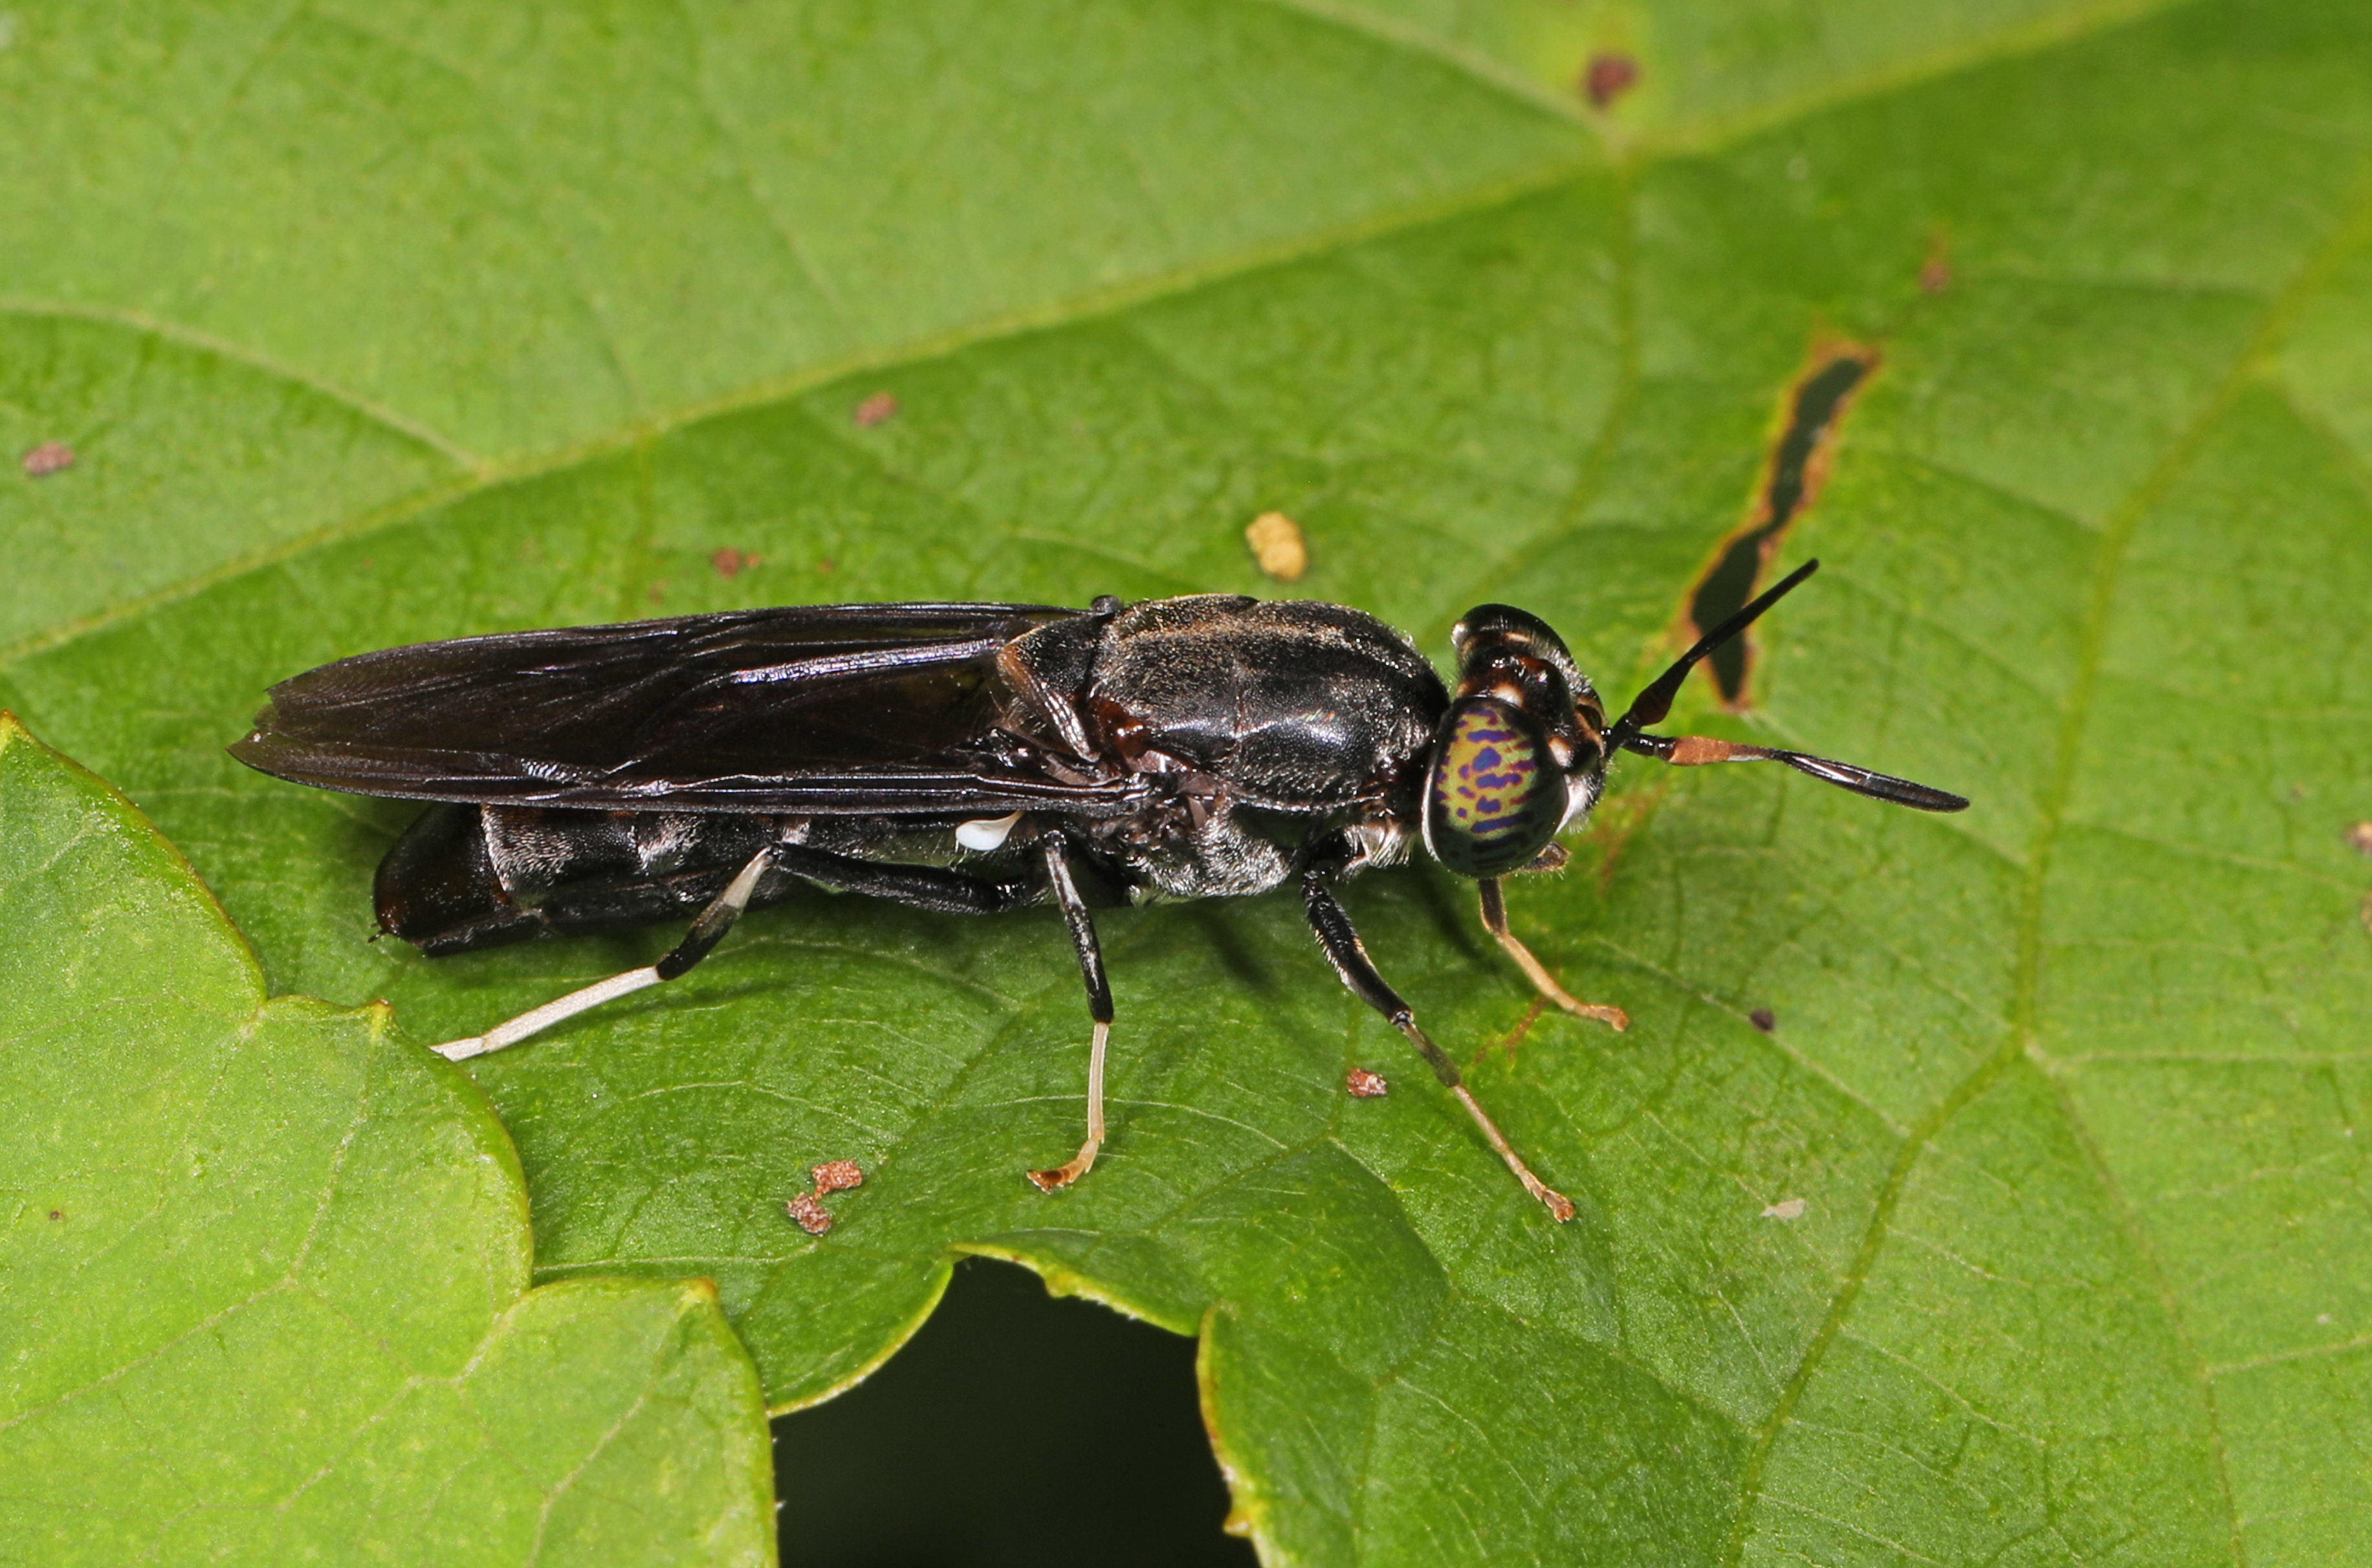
(1278, 546)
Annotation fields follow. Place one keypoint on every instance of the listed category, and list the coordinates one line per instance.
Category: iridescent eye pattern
(1495, 797)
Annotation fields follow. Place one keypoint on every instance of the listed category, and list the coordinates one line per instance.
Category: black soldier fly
(971, 759)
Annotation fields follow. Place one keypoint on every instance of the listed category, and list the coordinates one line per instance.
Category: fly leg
(933, 888)
(1099, 1008)
(1349, 956)
(923, 886)
(708, 928)
(955, 892)
(1495, 921)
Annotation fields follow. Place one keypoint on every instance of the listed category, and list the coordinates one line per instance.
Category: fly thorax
(1313, 704)
(1044, 672)
(1223, 857)
(1376, 842)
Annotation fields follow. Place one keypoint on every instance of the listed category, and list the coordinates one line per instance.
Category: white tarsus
(726, 907)
(537, 1019)
(1085, 1160)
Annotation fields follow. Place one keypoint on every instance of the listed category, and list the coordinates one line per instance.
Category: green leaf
(266, 1268)
(375, 328)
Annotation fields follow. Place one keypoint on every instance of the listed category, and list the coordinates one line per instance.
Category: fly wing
(822, 708)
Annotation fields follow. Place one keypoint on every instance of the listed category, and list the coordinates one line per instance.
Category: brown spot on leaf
(2360, 836)
(731, 562)
(658, 590)
(49, 458)
(1364, 1085)
(824, 567)
(1608, 77)
(1935, 267)
(837, 1176)
(1278, 546)
(1798, 463)
(57, 1213)
(1786, 1209)
(875, 410)
(1763, 1018)
(809, 1214)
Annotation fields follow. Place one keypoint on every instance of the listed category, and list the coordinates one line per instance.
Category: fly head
(1521, 751)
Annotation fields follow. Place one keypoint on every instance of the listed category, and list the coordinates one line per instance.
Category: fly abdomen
(437, 891)
(463, 878)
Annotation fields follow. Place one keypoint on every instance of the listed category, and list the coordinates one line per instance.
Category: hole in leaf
(1799, 460)
(1014, 1428)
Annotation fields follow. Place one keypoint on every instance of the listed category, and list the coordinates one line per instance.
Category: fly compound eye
(1495, 797)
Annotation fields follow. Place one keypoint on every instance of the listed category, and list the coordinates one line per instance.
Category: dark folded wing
(825, 708)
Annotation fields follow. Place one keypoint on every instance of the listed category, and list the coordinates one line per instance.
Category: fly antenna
(1695, 750)
(1656, 700)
